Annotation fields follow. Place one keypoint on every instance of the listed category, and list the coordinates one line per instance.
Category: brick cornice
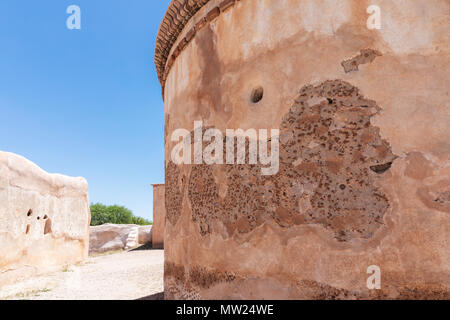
(175, 20)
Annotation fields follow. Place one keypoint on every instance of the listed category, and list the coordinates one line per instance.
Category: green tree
(101, 214)
(141, 221)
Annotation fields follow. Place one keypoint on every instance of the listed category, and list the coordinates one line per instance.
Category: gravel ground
(120, 276)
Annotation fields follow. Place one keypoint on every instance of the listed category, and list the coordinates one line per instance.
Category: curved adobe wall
(364, 147)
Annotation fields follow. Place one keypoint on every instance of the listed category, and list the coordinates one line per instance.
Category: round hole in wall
(30, 213)
(39, 218)
(257, 94)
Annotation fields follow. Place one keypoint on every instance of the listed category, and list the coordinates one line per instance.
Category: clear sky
(85, 102)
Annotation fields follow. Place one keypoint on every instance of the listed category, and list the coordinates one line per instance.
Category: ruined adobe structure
(44, 219)
(364, 173)
(159, 216)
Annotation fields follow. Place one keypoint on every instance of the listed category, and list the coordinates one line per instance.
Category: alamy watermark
(374, 281)
(187, 151)
(73, 22)
(374, 21)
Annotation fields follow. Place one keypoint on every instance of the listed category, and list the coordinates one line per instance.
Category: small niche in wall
(48, 226)
(30, 213)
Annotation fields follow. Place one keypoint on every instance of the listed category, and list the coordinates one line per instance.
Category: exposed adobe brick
(200, 24)
(226, 4)
(366, 56)
(177, 16)
(170, 63)
(190, 35)
(327, 152)
(182, 45)
(214, 13)
(174, 193)
(176, 52)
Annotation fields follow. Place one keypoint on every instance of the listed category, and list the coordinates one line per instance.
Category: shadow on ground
(147, 246)
(157, 296)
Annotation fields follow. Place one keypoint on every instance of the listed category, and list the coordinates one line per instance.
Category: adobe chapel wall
(364, 175)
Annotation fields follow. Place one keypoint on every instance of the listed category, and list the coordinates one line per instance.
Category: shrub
(101, 214)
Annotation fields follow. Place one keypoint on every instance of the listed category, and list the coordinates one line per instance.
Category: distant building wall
(159, 216)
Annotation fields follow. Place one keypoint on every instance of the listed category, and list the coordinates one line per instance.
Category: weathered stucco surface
(365, 141)
(159, 216)
(44, 219)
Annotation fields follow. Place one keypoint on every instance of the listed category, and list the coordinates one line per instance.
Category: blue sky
(85, 102)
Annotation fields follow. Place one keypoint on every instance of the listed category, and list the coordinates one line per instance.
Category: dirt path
(120, 276)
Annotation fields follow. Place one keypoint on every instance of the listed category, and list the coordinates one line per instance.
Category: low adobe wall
(110, 237)
(44, 219)
(364, 126)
